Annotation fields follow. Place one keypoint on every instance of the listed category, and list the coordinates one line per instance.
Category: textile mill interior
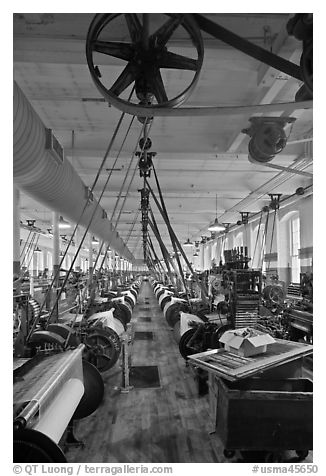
(162, 237)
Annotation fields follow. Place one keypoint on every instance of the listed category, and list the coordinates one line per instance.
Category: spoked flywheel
(103, 346)
(143, 48)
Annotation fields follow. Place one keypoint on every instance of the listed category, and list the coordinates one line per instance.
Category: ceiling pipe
(51, 182)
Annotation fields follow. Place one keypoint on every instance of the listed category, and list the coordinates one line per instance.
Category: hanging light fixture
(95, 241)
(188, 243)
(61, 254)
(37, 250)
(216, 226)
(195, 254)
(63, 223)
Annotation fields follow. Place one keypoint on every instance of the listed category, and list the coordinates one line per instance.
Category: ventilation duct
(52, 182)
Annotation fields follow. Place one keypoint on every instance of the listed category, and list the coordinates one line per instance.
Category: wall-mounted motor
(268, 137)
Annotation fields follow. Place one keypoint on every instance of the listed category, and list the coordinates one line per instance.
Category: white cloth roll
(173, 301)
(166, 293)
(128, 293)
(56, 418)
(108, 320)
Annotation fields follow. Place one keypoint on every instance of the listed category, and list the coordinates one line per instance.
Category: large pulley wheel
(220, 331)
(186, 350)
(143, 61)
(306, 65)
(31, 446)
(66, 332)
(275, 294)
(46, 340)
(165, 300)
(103, 347)
(129, 300)
(172, 315)
(160, 293)
(93, 391)
(122, 312)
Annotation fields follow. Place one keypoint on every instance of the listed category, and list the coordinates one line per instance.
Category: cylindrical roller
(107, 319)
(31, 446)
(129, 300)
(172, 314)
(134, 293)
(165, 300)
(93, 391)
(157, 289)
(55, 418)
(184, 339)
(158, 286)
(123, 310)
(129, 297)
(176, 332)
(160, 292)
(164, 295)
(109, 294)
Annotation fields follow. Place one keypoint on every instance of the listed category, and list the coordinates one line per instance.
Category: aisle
(166, 424)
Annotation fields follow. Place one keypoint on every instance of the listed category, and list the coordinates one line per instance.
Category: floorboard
(169, 424)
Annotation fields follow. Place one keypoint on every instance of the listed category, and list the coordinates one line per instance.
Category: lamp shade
(188, 243)
(216, 226)
(37, 250)
(63, 223)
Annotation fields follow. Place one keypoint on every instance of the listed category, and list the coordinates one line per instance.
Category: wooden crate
(265, 414)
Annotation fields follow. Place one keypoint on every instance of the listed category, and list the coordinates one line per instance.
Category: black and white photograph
(162, 184)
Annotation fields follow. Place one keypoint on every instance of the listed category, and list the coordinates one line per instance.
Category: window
(259, 248)
(225, 244)
(294, 249)
(238, 242)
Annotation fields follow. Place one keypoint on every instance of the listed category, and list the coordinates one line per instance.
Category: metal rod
(250, 49)
(201, 285)
(286, 169)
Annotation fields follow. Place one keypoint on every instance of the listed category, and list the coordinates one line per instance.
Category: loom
(50, 391)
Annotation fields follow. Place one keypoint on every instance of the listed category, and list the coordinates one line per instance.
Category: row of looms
(163, 251)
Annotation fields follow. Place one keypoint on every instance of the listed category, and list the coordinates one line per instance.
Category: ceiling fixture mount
(63, 224)
(216, 226)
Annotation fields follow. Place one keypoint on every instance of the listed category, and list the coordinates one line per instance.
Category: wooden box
(265, 414)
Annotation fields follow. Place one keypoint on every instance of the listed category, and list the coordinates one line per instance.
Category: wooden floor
(169, 424)
(156, 425)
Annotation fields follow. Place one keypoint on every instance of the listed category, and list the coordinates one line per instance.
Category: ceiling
(198, 158)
